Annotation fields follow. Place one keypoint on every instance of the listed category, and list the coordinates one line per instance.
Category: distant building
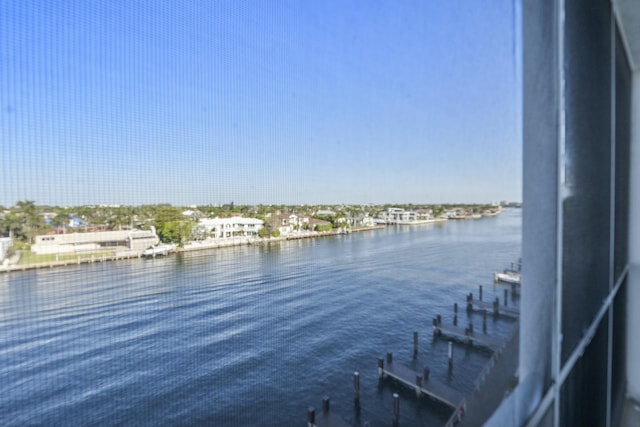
(222, 228)
(5, 245)
(325, 212)
(397, 215)
(135, 240)
(75, 222)
(423, 214)
(361, 220)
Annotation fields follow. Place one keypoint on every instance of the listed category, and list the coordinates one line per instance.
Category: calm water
(249, 335)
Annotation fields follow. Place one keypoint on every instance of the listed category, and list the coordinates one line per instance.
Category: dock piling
(436, 329)
(396, 408)
(326, 404)
(418, 385)
(425, 374)
(380, 368)
(484, 321)
(415, 343)
(455, 314)
(506, 291)
(450, 354)
(496, 307)
(311, 416)
(469, 303)
(356, 384)
(389, 358)
(480, 293)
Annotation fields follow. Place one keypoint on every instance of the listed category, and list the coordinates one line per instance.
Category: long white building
(135, 240)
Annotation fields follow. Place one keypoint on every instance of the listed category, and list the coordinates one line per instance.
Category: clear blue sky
(206, 102)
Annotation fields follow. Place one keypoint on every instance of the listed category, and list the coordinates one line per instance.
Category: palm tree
(29, 218)
(11, 223)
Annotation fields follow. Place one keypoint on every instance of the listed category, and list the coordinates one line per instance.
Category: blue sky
(201, 102)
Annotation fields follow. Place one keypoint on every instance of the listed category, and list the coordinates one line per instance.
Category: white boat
(507, 276)
(510, 275)
(163, 249)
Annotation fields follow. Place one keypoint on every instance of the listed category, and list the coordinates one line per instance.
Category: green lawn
(28, 257)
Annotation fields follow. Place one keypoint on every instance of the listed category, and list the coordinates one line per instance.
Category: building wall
(577, 114)
(85, 242)
(5, 245)
(633, 300)
(221, 228)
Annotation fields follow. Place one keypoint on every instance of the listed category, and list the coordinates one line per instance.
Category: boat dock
(467, 334)
(70, 261)
(421, 382)
(497, 374)
(493, 306)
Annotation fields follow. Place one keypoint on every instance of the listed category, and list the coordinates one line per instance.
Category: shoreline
(189, 247)
(206, 245)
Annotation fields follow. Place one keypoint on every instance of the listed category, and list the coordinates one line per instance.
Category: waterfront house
(397, 216)
(360, 220)
(424, 214)
(222, 228)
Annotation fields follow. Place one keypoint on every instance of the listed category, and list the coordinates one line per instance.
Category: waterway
(250, 335)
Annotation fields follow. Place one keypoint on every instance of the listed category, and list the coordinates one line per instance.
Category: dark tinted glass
(618, 354)
(587, 192)
(584, 394)
(622, 153)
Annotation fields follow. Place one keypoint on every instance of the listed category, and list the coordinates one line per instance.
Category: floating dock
(420, 382)
(493, 306)
(467, 334)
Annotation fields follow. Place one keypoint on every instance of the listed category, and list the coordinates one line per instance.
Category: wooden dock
(492, 307)
(420, 382)
(468, 335)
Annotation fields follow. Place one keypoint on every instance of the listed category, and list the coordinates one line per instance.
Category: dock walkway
(420, 382)
(498, 309)
(467, 334)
